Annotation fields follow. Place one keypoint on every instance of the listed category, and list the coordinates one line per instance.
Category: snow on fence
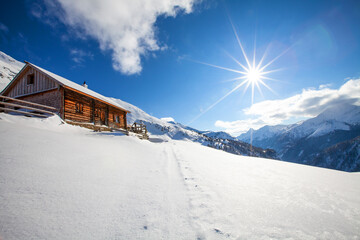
(8, 104)
(139, 129)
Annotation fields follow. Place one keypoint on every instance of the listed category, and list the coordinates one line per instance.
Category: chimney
(85, 85)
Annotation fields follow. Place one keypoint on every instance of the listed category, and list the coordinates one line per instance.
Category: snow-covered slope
(65, 182)
(9, 67)
(303, 141)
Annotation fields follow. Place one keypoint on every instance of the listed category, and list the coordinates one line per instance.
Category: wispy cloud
(3, 28)
(3, 33)
(309, 103)
(78, 55)
(127, 28)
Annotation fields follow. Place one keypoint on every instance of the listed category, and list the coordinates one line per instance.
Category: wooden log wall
(70, 100)
(41, 83)
(113, 112)
(93, 111)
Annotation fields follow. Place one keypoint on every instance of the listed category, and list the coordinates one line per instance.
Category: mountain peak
(347, 113)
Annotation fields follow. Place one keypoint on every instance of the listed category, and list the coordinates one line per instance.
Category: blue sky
(148, 52)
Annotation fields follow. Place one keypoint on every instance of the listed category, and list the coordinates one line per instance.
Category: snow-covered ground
(64, 182)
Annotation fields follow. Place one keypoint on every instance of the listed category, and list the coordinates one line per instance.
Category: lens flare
(251, 74)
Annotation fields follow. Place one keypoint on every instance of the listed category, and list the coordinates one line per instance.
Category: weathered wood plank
(22, 112)
(26, 107)
(41, 83)
(26, 102)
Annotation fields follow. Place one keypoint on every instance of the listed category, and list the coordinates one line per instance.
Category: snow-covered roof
(75, 86)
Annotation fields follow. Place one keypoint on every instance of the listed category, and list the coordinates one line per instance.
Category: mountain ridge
(303, 142)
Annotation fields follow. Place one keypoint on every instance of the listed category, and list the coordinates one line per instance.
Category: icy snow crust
(64, 182)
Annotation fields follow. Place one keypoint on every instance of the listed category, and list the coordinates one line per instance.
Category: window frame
(30, 79)
(79, 107)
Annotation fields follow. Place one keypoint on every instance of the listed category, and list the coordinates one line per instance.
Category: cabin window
(30, 79)
(79, 107)
(116, 118)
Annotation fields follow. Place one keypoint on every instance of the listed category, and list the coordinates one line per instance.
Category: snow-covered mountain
(263, 133)
(9, 67)
(159, 130)
(220, 135)
(304, 141)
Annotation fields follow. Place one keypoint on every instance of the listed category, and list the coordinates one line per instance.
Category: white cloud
(235, 128)
(126, 27)
(309, 103)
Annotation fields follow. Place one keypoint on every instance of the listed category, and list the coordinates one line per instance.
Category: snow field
(70, 183)
(64, 182)
(251, 198)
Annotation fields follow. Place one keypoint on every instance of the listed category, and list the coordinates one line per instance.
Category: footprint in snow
(220, 232)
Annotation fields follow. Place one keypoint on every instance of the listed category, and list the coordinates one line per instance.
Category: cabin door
(102, 117)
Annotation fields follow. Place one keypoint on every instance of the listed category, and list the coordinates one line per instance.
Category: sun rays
(252, 75)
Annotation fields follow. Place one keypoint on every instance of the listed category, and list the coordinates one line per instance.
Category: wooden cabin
(74, 103)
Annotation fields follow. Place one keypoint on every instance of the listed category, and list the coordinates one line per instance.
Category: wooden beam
(22, 112)
(92, 111)
(62, 112)
(26, 107)
(107, 116)
(30, 103)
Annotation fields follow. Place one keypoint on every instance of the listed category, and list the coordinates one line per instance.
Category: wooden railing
(139, 128)
(8, 104)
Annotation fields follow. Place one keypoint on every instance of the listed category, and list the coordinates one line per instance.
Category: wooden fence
(140, 129)
(8, 104)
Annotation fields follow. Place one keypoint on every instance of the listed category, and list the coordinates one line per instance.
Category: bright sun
(253, 75)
